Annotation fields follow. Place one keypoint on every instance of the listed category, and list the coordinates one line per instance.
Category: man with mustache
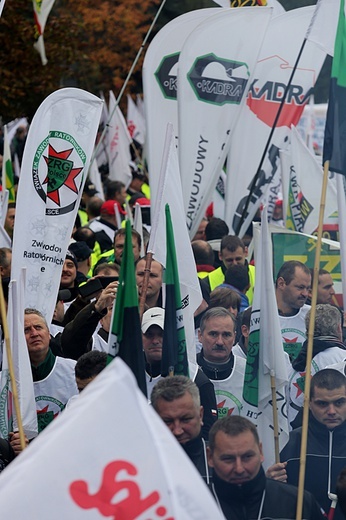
(293, 285)
(226, 371)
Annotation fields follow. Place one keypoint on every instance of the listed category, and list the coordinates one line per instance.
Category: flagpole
(310, 347)
(140, 50)
(255, 179)
(275, 417)
(10, 367)
(145, 284)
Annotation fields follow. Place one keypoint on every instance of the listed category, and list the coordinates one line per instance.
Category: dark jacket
(320, 440)
(280, 500)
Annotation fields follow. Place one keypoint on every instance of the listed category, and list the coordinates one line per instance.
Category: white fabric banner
(137, 470)
(278, 55)
(170, 192)
(302, 188)
(42, 9)
(56, 159)
(216, 65)
(265, 349)
(160, 69)
(322, 30)
(135, 121)
(118, 145)
(95, 179)
(22, 370)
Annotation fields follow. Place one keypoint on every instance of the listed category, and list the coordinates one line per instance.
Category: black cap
(81, 250)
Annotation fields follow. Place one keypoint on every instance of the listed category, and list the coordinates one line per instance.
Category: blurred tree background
(90, 45)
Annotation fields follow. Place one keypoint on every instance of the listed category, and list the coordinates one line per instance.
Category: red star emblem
(60, 173)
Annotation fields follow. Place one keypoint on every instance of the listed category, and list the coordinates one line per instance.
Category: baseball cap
(153, 316)
(81, 250)
(90, 189)
(107, 208)
(71, 256)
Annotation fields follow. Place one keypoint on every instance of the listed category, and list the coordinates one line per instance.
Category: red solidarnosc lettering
(130, 507)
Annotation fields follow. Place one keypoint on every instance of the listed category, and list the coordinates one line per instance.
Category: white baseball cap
(153, 316)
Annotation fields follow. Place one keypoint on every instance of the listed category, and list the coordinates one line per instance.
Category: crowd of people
(205, 412)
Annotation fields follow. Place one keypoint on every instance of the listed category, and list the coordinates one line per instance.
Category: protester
(293, 283)
(325, 455)
(225, 371)
(10, 218)
(232, 251)
(204, 257)
(328, 348)
(239, 482)
(177, 401)
(88, 366)
(153, 296)
(237, 278)
(53, 376)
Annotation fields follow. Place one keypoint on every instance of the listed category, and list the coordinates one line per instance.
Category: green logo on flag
(250, 391)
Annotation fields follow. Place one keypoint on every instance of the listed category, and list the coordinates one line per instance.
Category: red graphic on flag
(105, 499)
(222, 405)
(60, 173)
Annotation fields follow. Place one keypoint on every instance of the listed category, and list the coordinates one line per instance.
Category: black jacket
(280, 500)
(320, 439)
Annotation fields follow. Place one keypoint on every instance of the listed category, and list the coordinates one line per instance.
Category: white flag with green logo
(55, 163)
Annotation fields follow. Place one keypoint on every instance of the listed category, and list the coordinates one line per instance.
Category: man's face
(236, 459)
(9, 221)
(329, 406)
(6, 271)
(233, 257)
(106, 320)
(296, 292)
(120, 196)
(36, 334)
(119, 248)
(182, 417)
(217, 339)
(68, 275)
(200, 234)
(155, 278)
(152, 343)
(325, 291)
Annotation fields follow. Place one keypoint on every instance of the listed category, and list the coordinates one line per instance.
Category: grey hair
(171, 388)
(28, 310)
(215, 312)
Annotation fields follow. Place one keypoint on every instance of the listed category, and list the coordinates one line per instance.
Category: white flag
(137, 472)
(216, 65)
(42, 9)
(266, 356)
(119, 141)
(170, 192)
(160, 69)
(278, 55)
(22, 370)
(322, 29)
(95, 179)
(138, 225)
(302, 188)
(56, 159)
(135, 121)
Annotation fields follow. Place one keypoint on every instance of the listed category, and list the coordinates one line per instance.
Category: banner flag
(7, 169)
(174, 354)
(160, 69)
(95, 179)
(216, 66)
(137, 472)
(135, 121)
(170, 192)
(333, 146)
(302, 188)
(42, 9)
(56, 159)
(322, 29)
(22, 370)
(125, 338)
(282, 43)
(266, 356)
(118, 145)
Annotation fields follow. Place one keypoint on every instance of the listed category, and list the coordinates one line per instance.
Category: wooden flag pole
(275, 417)
(10, 367)
(303, 445)
(143, 296)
